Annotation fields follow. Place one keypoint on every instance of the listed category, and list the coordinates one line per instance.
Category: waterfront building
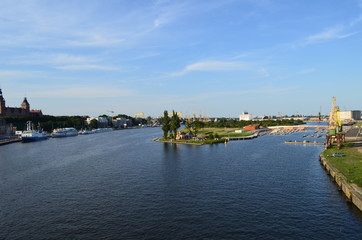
(23, 111)
(245, 116)
(119, 122)
(102, 121)
(2, 126)
(252, 127)
(350, 115)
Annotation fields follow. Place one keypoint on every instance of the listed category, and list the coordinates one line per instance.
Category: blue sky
(219, 57)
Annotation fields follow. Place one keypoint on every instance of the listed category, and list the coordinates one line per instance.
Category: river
(121, 185)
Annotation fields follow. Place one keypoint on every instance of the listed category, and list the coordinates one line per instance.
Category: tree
(188, 125)
(166, 124)
(93, 123)
(175, 124)
(149, 120)
(196, 126)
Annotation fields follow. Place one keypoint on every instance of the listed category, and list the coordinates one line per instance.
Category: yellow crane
(139, 115)
(178, 113)
(335, 123)
(335, 126)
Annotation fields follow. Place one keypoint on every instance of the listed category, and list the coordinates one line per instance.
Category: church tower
(25, 105)
(2, 103)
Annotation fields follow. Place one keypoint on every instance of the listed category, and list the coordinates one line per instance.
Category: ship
(64, 132)
(31, 135)
(85, 131)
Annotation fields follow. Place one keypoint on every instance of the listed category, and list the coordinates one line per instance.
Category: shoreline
(352, 193)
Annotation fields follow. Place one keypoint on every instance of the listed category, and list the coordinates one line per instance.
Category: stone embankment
(351, 191)
(8, 141)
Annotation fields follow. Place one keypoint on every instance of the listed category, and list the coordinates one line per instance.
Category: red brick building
(22, 111)
(252, 127)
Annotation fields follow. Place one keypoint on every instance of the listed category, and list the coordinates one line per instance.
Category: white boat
(83, 132)
(31, 135)
(102, 130)
(64, 132)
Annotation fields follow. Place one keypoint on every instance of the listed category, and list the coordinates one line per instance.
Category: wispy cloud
(337, 32)
(83, 92)
(268, 90)
(53, 59)
(356, 21)
(212, 66)
(95, 40)
(9, 74)
(87, 67)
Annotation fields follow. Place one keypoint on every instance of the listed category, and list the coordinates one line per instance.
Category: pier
(242, 138)
(305, 143)
(9, 140)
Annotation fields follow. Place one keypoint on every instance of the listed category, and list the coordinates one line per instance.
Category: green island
(209, 136)
(350, 164)
(199, 132)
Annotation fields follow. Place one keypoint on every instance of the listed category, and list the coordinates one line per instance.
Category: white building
(350, 115)
(245, 116)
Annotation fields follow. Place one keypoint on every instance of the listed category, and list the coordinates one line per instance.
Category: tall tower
(2, 103)
(25, 105)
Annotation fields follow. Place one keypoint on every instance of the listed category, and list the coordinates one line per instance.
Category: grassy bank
(349, 165)
(193, 142)
(222, 132)
(359, 123)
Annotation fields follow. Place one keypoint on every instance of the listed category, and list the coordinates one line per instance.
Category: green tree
(188, 125)
(196, 126)
(166, 124)
(175, 124)
(149, 120)
(93, 123)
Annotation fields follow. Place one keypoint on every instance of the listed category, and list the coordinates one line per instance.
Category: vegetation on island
(170, 125)
(199, 132)
(234, 123)
(350, 164)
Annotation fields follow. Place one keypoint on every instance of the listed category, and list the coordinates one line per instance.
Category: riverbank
(346, 170)
(6, 141)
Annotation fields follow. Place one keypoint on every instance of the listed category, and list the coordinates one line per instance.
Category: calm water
(121, 185)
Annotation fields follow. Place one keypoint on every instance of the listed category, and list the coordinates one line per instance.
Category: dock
(242, 138)
(305, 143)
(8, 141)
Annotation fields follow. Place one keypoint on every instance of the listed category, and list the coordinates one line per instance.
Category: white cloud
(83, 92)
(336, 32)
(212, 66)
(95, 40)
(355, 21)
(46, 59)
(87, 67)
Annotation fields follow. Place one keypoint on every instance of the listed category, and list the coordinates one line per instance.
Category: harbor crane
(335, 126)
(139, 115)
(178, 113)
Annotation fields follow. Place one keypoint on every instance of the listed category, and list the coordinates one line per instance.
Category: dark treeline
(47, 122)
(233, 123)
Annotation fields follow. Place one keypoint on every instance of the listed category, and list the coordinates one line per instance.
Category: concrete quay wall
(349, 191)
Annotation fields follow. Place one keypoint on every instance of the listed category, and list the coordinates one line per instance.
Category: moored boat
(102, 130)
(31, 135)
(84, 132)
(64, 132)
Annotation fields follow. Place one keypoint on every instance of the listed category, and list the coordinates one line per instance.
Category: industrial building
(350, 115)
(245, 116)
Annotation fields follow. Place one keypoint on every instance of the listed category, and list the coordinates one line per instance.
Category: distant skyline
(220, 57)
